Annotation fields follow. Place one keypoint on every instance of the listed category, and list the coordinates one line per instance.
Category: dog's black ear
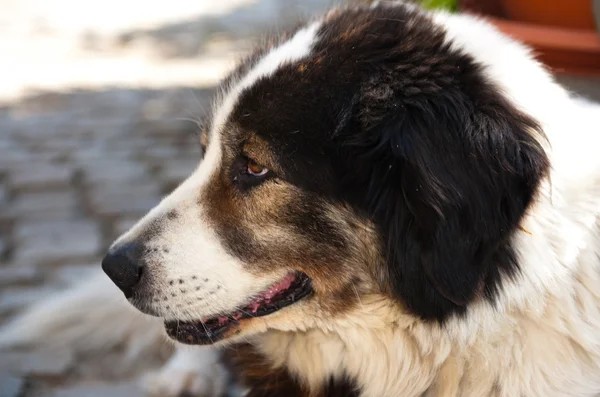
(449, 179)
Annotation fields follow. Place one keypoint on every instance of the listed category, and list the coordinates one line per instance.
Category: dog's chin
(208, 330)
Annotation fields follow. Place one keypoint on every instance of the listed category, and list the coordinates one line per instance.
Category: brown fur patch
(258, 150)
(276, 227)
(264, 379)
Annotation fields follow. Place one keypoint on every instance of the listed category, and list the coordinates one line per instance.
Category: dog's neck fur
(545, 321)
(541, 335)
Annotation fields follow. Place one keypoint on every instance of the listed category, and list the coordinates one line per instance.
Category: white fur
(543, 337)
(573, 136)
(193, 371)
(294, 49)
(194, 250)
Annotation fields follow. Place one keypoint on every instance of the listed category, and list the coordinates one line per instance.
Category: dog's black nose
(123, 268)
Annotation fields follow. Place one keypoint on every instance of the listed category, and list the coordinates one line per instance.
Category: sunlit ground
(59, 44)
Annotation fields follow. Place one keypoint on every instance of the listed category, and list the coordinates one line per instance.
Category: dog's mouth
(209, 330)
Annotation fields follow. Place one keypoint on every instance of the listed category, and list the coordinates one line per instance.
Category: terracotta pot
(483, 7)
(562, 49)
(572, 14)
(570, 51)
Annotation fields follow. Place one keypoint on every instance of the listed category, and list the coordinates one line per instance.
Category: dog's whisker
(200, 105)
(250, 314)
(206, 330)
(197, 122)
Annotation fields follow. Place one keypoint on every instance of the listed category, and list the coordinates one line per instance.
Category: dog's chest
(355, 362)
(263, 377)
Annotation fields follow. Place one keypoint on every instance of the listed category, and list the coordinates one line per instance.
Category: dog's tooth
(254, 306)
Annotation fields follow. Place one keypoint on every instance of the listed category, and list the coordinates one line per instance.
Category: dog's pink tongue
(278, 287)
(272, 291)
(264, 297)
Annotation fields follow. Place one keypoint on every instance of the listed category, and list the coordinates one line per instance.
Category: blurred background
(99, 104)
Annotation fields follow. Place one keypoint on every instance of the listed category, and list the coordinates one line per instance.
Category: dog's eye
(248, 173)
(255, 169)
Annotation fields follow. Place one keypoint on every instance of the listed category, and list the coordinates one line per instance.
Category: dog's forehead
(257, 67)
(303, 87)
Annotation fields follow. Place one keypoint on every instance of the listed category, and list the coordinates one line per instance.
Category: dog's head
(363, 154)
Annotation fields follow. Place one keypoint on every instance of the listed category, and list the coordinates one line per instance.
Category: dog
(392, 202)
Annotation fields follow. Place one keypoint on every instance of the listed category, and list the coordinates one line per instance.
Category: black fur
(385, 116)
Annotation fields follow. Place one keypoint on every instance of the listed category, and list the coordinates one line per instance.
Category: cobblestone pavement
(79, 168)
(76, 170)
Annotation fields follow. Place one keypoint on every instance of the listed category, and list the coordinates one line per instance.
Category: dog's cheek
(277, 228)
(348, 268)
(336, 248)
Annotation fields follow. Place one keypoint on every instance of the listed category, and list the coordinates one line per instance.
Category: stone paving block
(104, 133)
(45, 205)
(97, 152)
(101, 129)
(57, 145)
(39, 175)
(40, 363)
(175, 171)
(114, 171)
(4, 206)
(7, 126)
(70, 274)
(41, 103)
(10, 385)
(7, 141)
(44, 229)
(122, 199)
(46, 130)
(159, 158)
(14, 158)
(3, 246)
(114, 102)
(19, 274)
(129, 389)
(159, 154)
(54, 242)
(13, 299)
(132, 144)
(172, 129)
(3, 196)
